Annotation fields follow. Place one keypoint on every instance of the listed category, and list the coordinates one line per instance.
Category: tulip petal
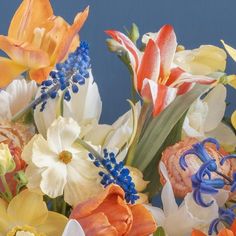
(29, 15)
(150, 64)
(4, 220)
(143, 222)
(70, 35)
(197, 233)
(230, 50)
(9, 71)
(24, 54)
(39, 75)
(225, 232)
(34, 215)
(166, 41)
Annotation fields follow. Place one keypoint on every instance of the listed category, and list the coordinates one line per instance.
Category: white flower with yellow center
(58, 166)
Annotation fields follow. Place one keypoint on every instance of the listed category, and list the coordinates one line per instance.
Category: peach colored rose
(108, 214)
(180, 179)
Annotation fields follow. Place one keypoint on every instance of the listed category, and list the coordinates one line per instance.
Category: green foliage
(160, 232)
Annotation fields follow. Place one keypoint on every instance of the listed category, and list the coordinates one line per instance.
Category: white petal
(157, 213)
(82, 180)
(21, 93)
(216, 107)
(54, 180)
(221, 197)
(86, 104)
(73, 228)
(167, 194)
(5, 111)
(43, 119)
(62, 134)
(225, 135)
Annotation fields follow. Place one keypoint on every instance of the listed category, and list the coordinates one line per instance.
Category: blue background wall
(196, 22)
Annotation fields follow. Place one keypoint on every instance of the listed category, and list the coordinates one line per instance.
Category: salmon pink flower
(154, 78)
(37, 40)
(109, 214)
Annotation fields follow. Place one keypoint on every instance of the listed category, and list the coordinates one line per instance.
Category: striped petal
(9, 71)
(160, 95)
(29, 15)
(70, 35)
(128, 45)
(24, 54)
(150, 64)
(166, 41)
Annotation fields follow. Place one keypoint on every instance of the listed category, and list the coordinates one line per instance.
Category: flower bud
(134, 33)
(7, 163)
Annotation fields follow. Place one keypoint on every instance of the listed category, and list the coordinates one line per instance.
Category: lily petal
(29, 15)
(167, 43)
(9, 71)
(150, 64)
(24, 54)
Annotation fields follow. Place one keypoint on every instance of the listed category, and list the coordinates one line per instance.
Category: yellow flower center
(24, 231)
(65, 157)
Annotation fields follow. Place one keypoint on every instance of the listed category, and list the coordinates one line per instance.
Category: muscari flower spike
(115, 172)
(67, 76)
(226, 216)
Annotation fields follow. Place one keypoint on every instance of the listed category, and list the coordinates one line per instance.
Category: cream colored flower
(27, 215)
(57, 166)
(204, 119)
(7, 163)
(204, 60)
(84, 107)
(16, 96)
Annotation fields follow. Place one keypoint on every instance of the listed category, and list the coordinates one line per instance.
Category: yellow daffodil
(27, 215)
(37, 40)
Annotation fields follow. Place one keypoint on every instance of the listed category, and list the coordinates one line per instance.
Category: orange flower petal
(166, 41)
(9, 71)
(29, 15)
(72, 31)
(150, 64)
(40, 75)
(233, 227)
(225, 232)
(97, 224)
(24, 54)
(197, 233)
(143, 222)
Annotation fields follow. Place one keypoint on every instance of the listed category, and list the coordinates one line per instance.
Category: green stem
(6, 187)
(141, 122)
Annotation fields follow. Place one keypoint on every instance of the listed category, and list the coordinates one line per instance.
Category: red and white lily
(155, 78)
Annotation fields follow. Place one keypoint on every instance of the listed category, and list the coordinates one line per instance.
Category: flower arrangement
(165, 167)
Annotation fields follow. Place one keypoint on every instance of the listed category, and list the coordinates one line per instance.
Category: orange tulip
(37, 40)
(108, 214)
(223, 232)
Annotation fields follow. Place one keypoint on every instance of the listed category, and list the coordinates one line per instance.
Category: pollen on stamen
(65, 157)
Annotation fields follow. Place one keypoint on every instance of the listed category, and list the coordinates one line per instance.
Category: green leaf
(160, 127)
(151, 173)
(160, 232)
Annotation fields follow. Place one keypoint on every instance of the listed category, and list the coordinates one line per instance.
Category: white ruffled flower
(188, 215)
(16, 96)
(58, 166)
(204, 118)
(73, 228)
(84, 107)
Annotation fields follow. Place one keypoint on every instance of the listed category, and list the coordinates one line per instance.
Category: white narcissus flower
(73, 228)
(204, 118)
(188, 215)
(84, 107)
(58, 166)
(16, 96)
